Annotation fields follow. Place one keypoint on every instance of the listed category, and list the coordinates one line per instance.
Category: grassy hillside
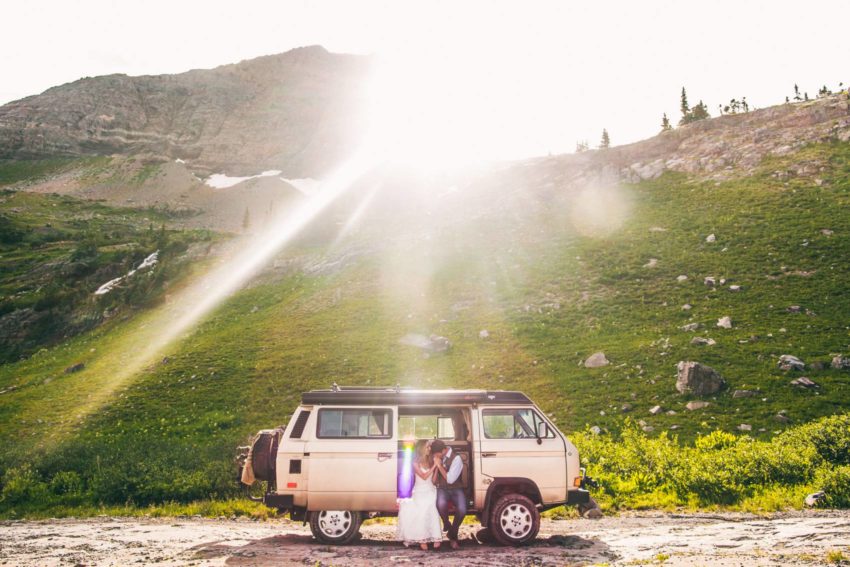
(548, 295)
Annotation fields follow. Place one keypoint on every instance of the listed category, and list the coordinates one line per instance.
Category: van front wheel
(337, 527)
(514, 520)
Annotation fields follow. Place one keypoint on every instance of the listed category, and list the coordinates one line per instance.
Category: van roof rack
(397, 395)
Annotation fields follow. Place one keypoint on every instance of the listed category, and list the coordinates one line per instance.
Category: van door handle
(384, 456)
(488, 454)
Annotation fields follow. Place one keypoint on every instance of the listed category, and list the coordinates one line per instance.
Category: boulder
(710, 281)
(590, 509)
(794, 309)
(711, 238)
(840, 362)
(790, 362)
(815, 498)
(734, 288)
(687, 307)
(690, 327)
(596, 430)
(655, 410)
(681, 278)
(652, 263)
(698, 379)
(626, 407)
(432, 344)
(648, 429)
(804, 382)
(782, 418)
(743, 394)
(697, 405)
(745, 427)
(596, 360)
(483, 334)
(703, 341)
(75, 368)
(725, 322)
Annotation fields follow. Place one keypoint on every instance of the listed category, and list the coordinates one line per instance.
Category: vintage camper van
(345, 455)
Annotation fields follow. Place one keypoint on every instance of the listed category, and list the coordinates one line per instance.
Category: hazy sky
(523, 78)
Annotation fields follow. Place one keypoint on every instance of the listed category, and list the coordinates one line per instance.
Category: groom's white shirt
(456, 468)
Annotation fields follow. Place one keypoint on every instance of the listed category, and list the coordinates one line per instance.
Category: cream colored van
(342, 458)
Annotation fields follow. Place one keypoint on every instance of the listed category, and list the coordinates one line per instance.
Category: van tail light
(291, 485)
(577, 482)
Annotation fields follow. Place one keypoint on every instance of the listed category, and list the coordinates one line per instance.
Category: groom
(449, 488)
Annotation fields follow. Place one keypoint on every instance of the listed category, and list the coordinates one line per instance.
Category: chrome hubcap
(516, 521)
(334, 523)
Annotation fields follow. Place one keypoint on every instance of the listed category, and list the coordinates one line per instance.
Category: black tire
(514, 520)
(335, 527)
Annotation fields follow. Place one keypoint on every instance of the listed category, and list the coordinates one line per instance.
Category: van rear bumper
(280, 501)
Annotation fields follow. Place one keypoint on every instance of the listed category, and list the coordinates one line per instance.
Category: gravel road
(678, 539)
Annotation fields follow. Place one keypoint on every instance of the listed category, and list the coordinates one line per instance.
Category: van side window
(355, 423)
(513, 424)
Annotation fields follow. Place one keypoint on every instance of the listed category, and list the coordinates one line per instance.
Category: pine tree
(606, 140)
(806, 95)
(665, 123)
(582, 146)
(797, 93)
(683, 105)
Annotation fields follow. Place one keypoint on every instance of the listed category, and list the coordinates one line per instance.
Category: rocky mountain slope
(297, 112)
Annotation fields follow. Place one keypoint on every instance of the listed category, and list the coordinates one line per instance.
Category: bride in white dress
(418, 518)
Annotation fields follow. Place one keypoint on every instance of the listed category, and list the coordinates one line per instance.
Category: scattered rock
(804, 382)
(691, 327)
(655, 410)
(710, 281)
(743, 394)
(687, 307)
(826, 232)
(254, 309)
(698, 379)
(745, 427)
(734, 288)
(790, 362)
(596, 360)
(657, 229)
(711, 238)
(782, 418)
(596, 430)
(815, 498)
(626, 407)
(725, 322)
(681, 278)
(652, 263)
(840, 362)
(793, 309)
(674, 427)
(590, 509)
(671, 412)
(703, 341)
(432, 344)
(75, 368)
(165, 360)
(648, 429)
(483, 334)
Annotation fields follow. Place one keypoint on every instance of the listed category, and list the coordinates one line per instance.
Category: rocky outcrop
(698, 379)
(297, 112)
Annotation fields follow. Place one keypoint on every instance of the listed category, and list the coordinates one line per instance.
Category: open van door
(352, 456)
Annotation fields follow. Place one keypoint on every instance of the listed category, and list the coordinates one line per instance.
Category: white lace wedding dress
(418, 518)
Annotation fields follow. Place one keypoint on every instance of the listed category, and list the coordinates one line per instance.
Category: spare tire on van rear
(264, 452)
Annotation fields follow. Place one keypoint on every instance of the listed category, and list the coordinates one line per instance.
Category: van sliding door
(353, 459)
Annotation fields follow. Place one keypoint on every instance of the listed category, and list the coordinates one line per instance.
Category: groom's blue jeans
(457, 497)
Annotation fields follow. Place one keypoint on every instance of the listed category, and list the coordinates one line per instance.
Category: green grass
(549, 298)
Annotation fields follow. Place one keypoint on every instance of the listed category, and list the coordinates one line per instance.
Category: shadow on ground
(302, 548)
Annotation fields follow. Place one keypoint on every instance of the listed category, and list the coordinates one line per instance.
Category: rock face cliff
(298, 112)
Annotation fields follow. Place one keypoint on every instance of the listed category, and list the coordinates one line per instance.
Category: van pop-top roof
(380, 395)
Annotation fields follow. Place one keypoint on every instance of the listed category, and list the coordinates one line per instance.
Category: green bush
(835, 482)
(22, 485)
(66, 483)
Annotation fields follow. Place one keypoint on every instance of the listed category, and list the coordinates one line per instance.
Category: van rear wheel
(514, 520)
(338, 527)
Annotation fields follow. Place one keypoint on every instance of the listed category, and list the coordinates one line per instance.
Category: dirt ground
(674, 539)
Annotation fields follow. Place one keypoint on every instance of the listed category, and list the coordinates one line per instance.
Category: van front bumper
(579, 496)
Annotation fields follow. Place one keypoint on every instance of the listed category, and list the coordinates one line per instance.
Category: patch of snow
(223, 181)
(148, 262)
(307, 185)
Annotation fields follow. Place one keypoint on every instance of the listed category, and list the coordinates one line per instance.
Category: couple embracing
(437, 470)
